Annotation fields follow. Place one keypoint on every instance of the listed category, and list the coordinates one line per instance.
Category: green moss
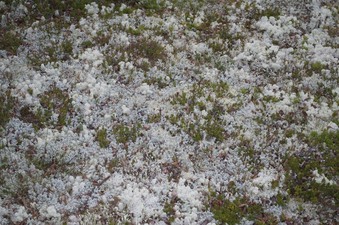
(226, 35)
(216, 47)
(213, 127)
(296, 100)
(138, 31)
(102, 38)
(75, 9)
(275, 184)
(245, 91)
(111, 165)
(40, 164)
(59, 102)
(232, 212)
(273, 99)
(154, 118)
(289, 133)
(6, 108)
(220, 88)
(28, 116)
(323, 158)
(52, 101)
(158, 81)
(10, 41)
(325, 137)
(173, 119)
(87, 44)
(102, 138)
(152, 50)
(30, 91)
(253, 13)
(179, 98)
(324, 93)
(52, 53)
(67, 47)
(146, 48)
(281, 201)
(226, 211)
(250, 156)
(274, 12)
(317, 67)
(231, 187)
(124, 134)
(215, 130)
(170, 211)
(332, 30)
(127, 10)
(152, 6)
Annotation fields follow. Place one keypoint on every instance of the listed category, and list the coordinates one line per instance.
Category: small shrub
(154, 118)
(273, 99)
(102, 138)
(215, 130)
(213, 127)
(170, 211)
(52, 101)
(323, 158)
(317, 67)
(158, 81)
(87, 44)
(232, 212)
(10, 42)
(280, 200)
(124, 134)
(111, 165)
(147, 48)
(28, 116)
(6, 108)
(173, 119)
(59, 102)
(75, 9)
(137, 31)
(274, 12)
(152, 6)
(67, 47)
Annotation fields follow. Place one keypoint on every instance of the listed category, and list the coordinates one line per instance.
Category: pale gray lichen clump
(169, 112)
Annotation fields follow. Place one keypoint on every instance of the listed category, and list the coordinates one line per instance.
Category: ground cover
(169, 112)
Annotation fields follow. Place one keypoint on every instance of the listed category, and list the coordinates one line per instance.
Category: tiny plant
(124, 134)
(6, 108)
(317, 67)
(232, 212)
(10, 42)
(54, 101)
(149, 49)
(102, 138)
(300, 168)
(170, 211)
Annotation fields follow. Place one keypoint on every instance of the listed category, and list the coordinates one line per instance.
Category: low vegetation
(172, 112)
